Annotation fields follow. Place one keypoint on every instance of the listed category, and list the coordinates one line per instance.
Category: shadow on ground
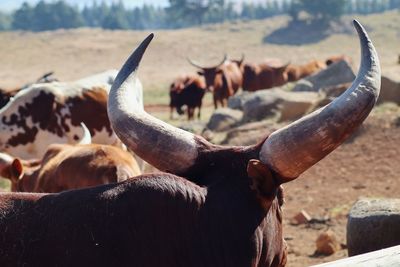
(302, 32)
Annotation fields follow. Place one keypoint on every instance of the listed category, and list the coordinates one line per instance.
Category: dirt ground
(366, 166)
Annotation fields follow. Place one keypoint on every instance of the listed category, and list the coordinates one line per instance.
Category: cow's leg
(215, 103)
(223, 102)
(171, 112)
(190, 113)
(198, 113)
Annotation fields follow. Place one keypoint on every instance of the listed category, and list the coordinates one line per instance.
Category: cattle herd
(208, 205)
(225, 79)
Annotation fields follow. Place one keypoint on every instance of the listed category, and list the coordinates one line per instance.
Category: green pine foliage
(51, 15)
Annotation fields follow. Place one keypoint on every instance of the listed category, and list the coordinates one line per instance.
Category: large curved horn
(200, 67)
(293, 149)
(160, 144)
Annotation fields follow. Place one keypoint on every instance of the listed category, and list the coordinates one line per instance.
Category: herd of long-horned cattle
(224, 80)
(79, 198)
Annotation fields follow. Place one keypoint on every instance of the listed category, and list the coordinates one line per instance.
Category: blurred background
(171, 14)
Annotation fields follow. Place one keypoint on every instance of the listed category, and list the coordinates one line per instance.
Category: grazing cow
(222, 80)
(263, 76)
(44, 114)
(210, 205)
(187, 90)
(337, 58)
(297, 72)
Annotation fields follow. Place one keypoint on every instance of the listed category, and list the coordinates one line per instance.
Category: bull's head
(244, 182)
(212, 75)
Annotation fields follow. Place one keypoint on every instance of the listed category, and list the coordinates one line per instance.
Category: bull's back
(134, 223)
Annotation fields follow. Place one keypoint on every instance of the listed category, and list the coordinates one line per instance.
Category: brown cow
(222, 80)
(187, 90)
(297, 72)
(263, 76)
(337, 58)
(65, 167)
(217, 206)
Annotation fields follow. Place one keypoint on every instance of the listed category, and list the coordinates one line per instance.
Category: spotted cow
(43, 114)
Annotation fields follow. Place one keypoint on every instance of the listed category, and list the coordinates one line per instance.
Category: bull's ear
(262, 182)
(201, 73)
(17, 170)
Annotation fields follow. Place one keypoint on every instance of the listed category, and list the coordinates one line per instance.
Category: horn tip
(359, 27)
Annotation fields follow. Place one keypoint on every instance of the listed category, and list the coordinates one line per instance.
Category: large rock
(390, 90)
(223, 119)
(337, 73)
(250, 133)
(373, 224)
(278, 103)
(237, 101)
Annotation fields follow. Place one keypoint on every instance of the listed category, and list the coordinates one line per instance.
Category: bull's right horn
(295, 148)
(160, 144)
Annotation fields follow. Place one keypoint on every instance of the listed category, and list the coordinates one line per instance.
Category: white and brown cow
(45, 114)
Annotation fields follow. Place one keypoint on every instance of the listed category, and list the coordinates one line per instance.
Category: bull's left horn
(160, 144)
(295, 148)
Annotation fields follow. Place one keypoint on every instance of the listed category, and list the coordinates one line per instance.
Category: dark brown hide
(223, 81)
(91, 109)
(187, 91)
(152, 220)
(297, 72)
(263, 76)
(66, 167)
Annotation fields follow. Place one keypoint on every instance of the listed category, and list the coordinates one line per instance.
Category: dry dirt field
(366, 166)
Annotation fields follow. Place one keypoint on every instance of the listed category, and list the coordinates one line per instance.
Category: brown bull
(187, 90)
(297, 72)
(65, 167)
(216, 206)
(222, 80)
(263, 76)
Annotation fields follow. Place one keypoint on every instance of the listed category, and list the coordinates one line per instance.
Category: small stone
(301, 218)
(327, 243)
(359, 186)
